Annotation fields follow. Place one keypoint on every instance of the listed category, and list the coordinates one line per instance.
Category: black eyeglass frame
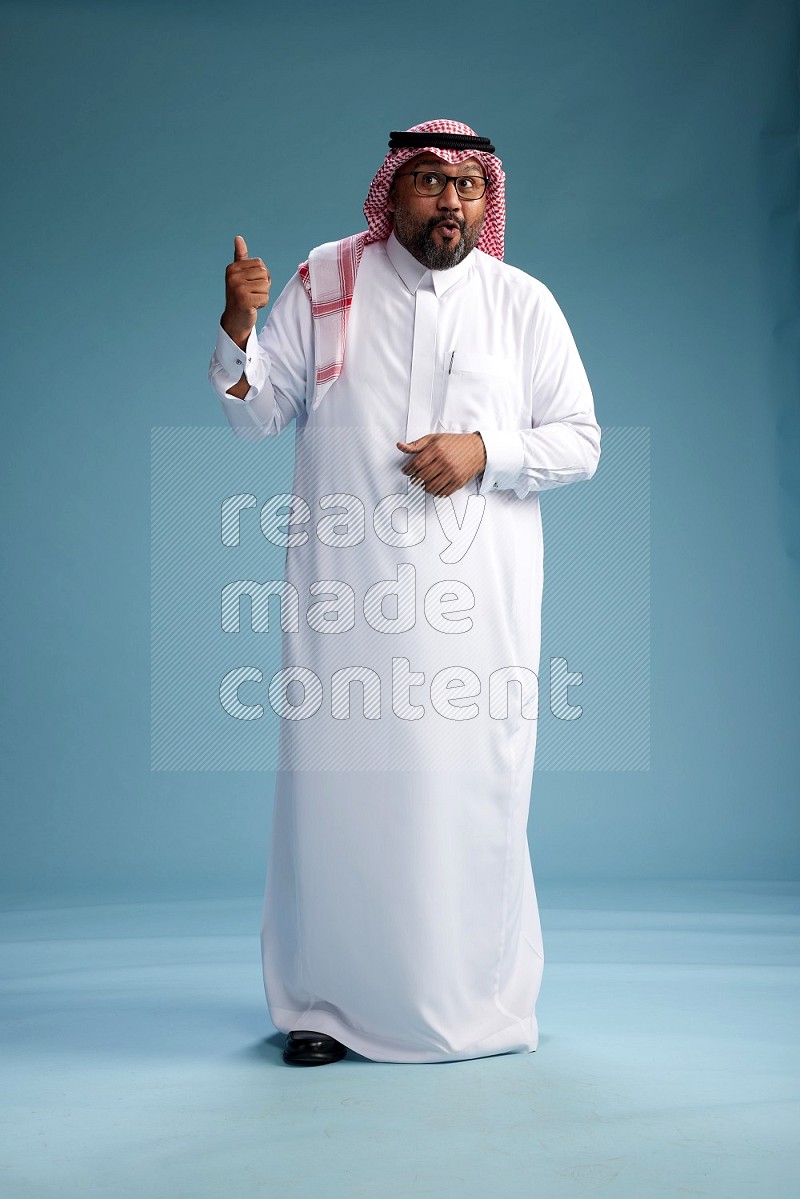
(454, 178)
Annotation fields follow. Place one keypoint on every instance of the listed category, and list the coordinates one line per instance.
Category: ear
(390, 201)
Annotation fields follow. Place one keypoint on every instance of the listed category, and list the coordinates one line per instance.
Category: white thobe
(400, 914)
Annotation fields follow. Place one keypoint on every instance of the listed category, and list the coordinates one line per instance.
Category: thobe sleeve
(563, 443)
(278, 363)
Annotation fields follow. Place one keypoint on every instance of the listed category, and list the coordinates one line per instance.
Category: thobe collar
(413, 273)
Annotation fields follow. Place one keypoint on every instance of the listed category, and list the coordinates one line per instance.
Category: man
(436, 391)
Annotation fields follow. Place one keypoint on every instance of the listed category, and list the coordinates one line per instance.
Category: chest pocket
(479, 388)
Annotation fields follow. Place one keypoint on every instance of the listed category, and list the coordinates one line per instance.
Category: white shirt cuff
(504, 459)
(234, 361)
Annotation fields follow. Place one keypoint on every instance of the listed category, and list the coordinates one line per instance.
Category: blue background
(652, 185)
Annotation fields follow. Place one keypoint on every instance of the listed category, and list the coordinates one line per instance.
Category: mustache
(451, 219)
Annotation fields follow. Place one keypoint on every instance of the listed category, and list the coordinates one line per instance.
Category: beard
(417, 237)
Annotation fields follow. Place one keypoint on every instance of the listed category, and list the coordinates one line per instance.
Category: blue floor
(138, 1061)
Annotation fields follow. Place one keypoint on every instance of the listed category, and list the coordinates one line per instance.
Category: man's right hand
(247, 283)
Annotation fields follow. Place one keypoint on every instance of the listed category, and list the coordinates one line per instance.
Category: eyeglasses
(433, 183)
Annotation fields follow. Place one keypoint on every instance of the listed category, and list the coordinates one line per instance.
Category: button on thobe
(424, 361)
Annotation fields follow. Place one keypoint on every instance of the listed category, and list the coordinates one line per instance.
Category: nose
(450, 198)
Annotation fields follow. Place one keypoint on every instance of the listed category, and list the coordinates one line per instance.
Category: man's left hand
(444, 462)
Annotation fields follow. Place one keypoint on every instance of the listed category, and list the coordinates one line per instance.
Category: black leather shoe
(306, 1048)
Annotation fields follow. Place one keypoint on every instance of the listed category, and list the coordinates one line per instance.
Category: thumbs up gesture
(247, 283)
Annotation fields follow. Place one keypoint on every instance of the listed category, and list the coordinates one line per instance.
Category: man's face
(438, 230)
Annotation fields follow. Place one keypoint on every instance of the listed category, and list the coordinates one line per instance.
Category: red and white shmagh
(329, 274)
